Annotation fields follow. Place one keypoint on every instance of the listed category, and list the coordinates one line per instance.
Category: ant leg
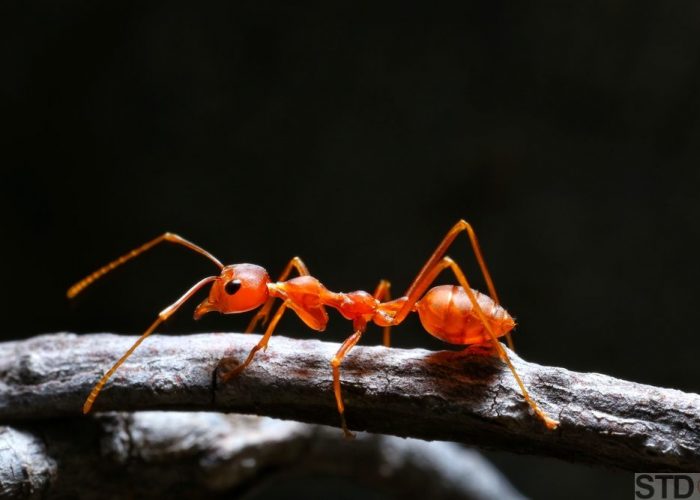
(335, 363)
(496, 345)
(260, 345)
(264, 312)
(162, 316)
(172, 238)
(462, 279)
(419, 285)
(383, 294)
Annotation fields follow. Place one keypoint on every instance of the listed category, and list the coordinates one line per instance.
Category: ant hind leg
(549, 422)
(420, 283)
(426, 277)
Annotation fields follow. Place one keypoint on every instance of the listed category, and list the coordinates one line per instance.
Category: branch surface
(202, 455)
(450, 396)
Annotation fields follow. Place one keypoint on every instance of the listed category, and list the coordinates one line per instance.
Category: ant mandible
(455, 314)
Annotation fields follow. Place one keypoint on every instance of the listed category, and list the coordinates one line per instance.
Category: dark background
(355, 136)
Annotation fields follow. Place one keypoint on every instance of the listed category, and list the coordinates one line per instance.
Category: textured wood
(181, 455)
(451, 396)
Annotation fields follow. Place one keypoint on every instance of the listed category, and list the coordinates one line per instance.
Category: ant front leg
(264, 312)
(260, 345)
(335, 364)
(162, 316)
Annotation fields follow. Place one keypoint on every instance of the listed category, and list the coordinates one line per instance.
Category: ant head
(239, 288)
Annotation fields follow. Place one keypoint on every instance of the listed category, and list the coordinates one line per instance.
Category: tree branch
(209, 455)
(450, 396)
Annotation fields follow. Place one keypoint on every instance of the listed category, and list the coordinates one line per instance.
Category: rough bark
(450, 396)
(210, 455)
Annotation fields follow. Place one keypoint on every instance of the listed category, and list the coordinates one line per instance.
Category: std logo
(665, 486)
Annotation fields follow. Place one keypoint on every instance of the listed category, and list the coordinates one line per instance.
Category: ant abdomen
(446, 312)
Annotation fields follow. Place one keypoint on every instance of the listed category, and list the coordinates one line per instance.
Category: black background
(355, 136)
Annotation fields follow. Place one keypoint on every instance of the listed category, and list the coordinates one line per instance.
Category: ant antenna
(172, 238)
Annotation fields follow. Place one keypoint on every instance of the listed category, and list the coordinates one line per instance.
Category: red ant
(454, 314)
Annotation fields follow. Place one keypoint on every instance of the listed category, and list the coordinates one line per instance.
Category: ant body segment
(456, 314)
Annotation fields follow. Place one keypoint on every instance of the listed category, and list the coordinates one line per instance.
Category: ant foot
(229, 368)
(346, 432)
(550, 423)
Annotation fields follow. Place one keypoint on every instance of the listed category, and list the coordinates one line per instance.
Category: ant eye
(232, 286)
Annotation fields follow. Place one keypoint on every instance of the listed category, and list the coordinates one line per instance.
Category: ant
(456, 314)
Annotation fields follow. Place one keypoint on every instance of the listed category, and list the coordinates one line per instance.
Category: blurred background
(354, 136)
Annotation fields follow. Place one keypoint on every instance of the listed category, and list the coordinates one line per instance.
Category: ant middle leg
(383, 294)
(349, 343)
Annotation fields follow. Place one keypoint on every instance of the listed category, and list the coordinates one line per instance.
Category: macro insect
(456, 314)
